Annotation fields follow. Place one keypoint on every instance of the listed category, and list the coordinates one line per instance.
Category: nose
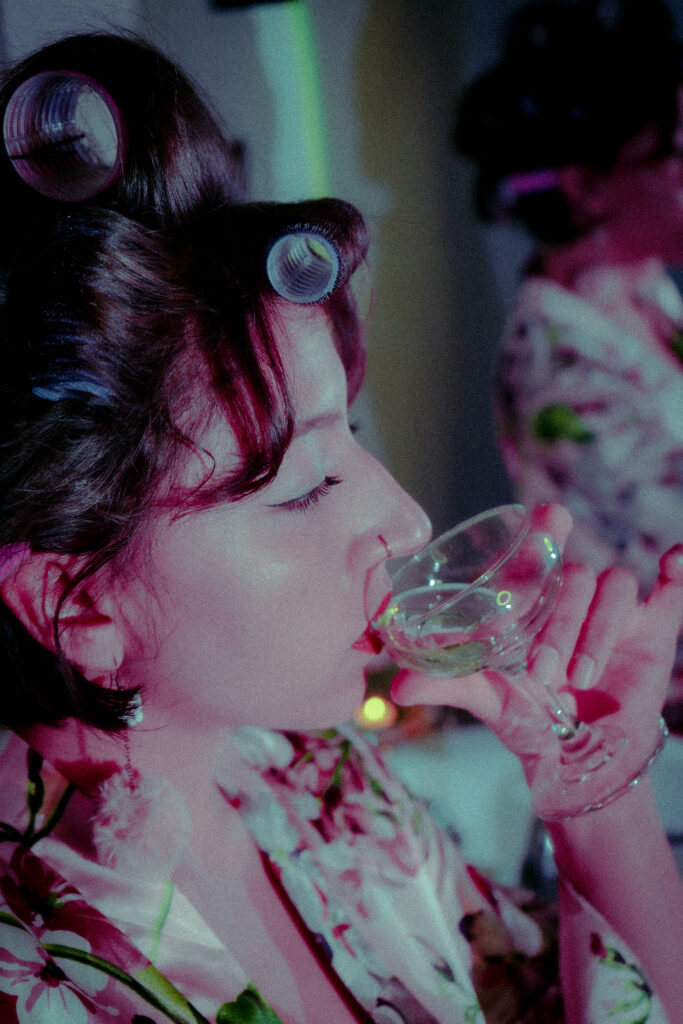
(407, 528)
(393, 522)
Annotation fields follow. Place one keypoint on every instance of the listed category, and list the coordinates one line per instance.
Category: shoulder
(541, 300)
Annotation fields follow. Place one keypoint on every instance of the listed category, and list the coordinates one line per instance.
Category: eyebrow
(325, 419)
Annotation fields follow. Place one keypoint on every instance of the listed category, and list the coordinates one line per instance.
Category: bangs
(237, 328)
(247, 385)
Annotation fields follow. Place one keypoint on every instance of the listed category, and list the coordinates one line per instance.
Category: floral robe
(590, 413)
(412, 933)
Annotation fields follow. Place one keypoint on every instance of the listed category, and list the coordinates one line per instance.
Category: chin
(327, 710)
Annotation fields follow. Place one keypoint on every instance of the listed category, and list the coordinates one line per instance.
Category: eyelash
(308, 501)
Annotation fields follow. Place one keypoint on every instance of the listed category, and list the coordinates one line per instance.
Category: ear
(89, 634)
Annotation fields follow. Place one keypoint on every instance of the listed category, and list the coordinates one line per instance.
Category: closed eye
(311, 498)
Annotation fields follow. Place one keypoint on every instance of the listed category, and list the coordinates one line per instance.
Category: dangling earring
(133, 717)
(135, 713)
(142, 825)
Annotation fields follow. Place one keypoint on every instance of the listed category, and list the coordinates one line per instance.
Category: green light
(311, 97)
(286, 44)
(376, 713)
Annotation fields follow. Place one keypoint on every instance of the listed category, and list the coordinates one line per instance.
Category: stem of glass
(564, 722)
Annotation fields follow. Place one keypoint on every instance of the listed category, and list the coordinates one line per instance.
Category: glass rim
(448, 602)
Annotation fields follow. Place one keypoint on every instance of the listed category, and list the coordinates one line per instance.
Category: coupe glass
(475, 598)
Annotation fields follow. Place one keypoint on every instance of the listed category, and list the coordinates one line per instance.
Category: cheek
(253, 624)
(296, 631)
(254, 621)
(274, 652)
(296, 614)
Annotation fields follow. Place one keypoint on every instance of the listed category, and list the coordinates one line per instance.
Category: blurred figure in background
(577, 134)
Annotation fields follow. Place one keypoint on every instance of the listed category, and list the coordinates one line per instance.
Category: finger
(666, 597)
(545, 669)
(614, 604)
(563, 628)
(554, 520)
(473, 693)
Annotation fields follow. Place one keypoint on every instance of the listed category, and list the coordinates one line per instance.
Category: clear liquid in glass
(453, 627)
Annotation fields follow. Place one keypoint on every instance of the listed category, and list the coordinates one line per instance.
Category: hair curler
(303, 265)
(64, 136)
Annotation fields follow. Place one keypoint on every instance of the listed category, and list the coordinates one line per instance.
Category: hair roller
(318, 245)
(64, 136)
(303, 265)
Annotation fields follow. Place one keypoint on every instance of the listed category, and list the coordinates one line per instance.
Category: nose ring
(387, 547)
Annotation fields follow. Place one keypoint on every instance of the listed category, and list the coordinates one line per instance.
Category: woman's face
(645, 199)
(252, 607)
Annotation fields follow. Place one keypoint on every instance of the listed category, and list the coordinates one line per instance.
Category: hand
(608, 655)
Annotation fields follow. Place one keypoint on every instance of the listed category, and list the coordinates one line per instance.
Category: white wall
(28, 24)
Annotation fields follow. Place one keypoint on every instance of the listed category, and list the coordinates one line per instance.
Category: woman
(191, 543)
(590, 383)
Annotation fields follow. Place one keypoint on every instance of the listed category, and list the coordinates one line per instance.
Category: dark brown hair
(178, 158)
(122, 318)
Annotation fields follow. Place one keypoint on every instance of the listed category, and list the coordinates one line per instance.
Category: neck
(88, 757)
(566, 263)
(174, 753)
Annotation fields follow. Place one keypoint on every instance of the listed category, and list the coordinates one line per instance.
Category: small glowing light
(503, 599)
(376, 713)
(550, 545)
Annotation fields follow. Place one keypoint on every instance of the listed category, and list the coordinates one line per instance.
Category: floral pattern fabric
(417, 935)
(414, 934)
(63, 961)
(590, 413)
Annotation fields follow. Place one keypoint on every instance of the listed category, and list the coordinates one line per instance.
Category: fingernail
(397, 685)
(546, 662)
(583, 671)
(671, 564)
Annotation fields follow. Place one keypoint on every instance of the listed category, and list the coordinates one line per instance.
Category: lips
(370, 642)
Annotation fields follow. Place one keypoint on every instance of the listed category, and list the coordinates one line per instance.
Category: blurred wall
(437, 314)
(386, 75)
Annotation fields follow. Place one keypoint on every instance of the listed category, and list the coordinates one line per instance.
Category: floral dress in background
(590, 414)
(415, 935)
